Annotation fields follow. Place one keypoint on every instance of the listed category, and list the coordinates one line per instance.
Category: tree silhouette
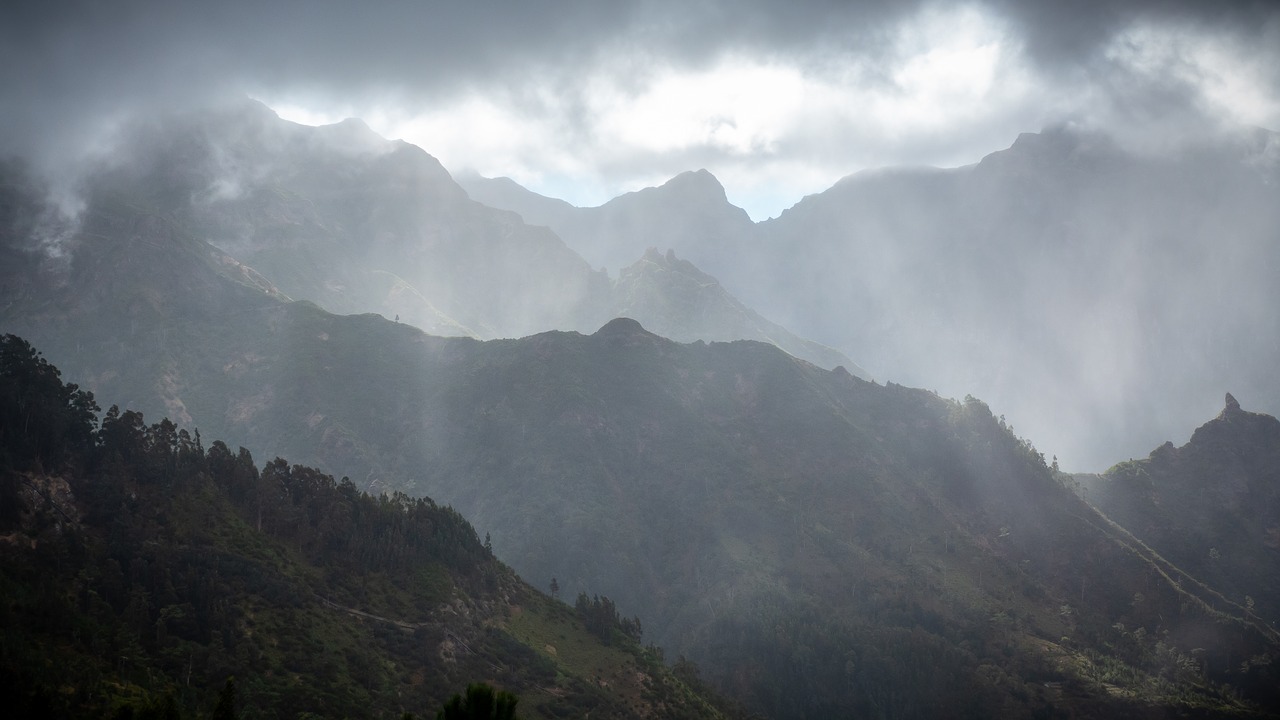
(226, 707)
(481, 703)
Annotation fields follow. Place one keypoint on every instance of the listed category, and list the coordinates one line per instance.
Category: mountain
(339, 216)
(689, 213)
(1066, 280)
(819, 544)
(812, 540)
(141, 571)
(1210, 507)
(685, 304)
(355, 223)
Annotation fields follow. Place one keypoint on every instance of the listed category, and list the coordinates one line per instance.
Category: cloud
(619, 93)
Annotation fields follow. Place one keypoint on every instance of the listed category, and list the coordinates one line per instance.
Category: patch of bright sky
(950, 69)
(739, 108)
(772, 130)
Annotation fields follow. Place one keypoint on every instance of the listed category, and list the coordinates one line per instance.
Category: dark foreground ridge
(141, 570)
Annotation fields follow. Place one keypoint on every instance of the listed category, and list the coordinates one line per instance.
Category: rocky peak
(699, 184)
(1232, 406)
(1240, 429)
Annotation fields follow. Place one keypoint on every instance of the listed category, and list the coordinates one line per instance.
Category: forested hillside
(1211, 507)
(146, 574)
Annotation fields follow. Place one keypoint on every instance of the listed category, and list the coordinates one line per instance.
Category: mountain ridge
(1211, 506)
(141, 571)
(811, 539)
(1065, 271)
(342, 217)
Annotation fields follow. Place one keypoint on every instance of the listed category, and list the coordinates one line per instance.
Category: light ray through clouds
(773, 128)
(585, 100)
(948, 85)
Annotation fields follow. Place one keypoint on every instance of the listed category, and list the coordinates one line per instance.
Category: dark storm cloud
(70, 66)
(1072, 33)
(135, 48)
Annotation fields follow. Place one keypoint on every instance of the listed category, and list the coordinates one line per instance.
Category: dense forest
(146, 575)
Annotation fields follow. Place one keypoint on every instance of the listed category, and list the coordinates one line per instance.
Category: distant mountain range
(821, 544)
(1071, 283)
(689, 213)
(344, 218)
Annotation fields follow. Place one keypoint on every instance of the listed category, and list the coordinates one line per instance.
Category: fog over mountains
(1100, 298)
(821, 544)
(731, 359)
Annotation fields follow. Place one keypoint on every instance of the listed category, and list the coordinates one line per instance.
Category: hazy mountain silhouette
(821, 544)
(1071, 283)
(812, 539)
(685, 304)
(344, 218)
(689, 213)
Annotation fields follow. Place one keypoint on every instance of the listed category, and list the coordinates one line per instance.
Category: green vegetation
(142, 570)
(820, 546)
(481, 703)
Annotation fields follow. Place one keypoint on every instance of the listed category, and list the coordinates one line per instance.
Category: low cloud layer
(586, 99)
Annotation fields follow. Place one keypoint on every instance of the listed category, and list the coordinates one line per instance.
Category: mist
(1103, 299)
(580, 278)
(1153, 314)
(586, 102)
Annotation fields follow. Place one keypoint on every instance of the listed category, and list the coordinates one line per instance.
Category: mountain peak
(1232, 406)
(1063, 144)
(1231, 410)
(698, 183)
(1236, 427)
(622, 327)
(352, 136)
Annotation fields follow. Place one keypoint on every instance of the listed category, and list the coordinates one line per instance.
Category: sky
(585, 100)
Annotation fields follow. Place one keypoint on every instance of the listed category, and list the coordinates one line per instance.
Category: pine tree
(481, 703)
(226, 707)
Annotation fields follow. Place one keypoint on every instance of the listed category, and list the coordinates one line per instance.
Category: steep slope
(140, 571)
(506, 194)
(1210, 507)
(1065, 280)
(723, 492)
(355, 223)
(670, 297)
(341, 217)
(685, 304)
